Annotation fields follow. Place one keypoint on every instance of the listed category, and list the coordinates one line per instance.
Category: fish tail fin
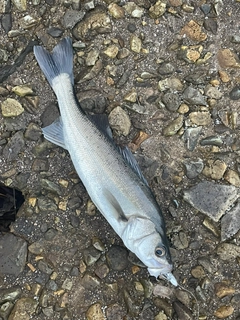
(58, 62)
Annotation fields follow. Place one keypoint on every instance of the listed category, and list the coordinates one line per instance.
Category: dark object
(10, 201)
(7, 70)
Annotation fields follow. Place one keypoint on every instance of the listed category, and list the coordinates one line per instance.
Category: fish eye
(160, 251)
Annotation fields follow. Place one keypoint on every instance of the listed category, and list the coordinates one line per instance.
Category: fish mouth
(156, 272)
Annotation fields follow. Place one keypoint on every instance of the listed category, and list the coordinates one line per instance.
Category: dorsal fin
(132, 162)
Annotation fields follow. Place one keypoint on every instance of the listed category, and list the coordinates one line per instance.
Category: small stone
(182, 311)
(166, 68)
(230, 223)
(212, 141)
(171, 101)
(97, 243)
(23, 90)
(157, 10)
(24, 309)
(193, 96)
(21, 5)
(116, 11)
(160, 316)
(50, 234)
(222, 289)
(91, 209)
(14, 146)
(50, 186)
(10, 294)
(44, 267)
(213, 92)
(89, 282)
(67, 284)
(193, 31)
(170, 83)
(28, 22)
(45, 204)
(200, 118)
(111, 51)
(102, 271)
(234, 94)
(55, 32)
(123, 53)
(96, 22)
(11, 108)
(91, 255)
(117, 258)
(227, 59)
(198, 272)
(135, 44)
(36, 248)
(71, 18)
(92, 57)
(215, 169)
(232, 177)
(120, 121)
(95, 312)
(33, 132)
(173, 126)
(228, 251)
(211, 199)
(131, 96)
(224, 312)
(180, 240)
(183, 108)
(211, 25)
(189, 54)
(193, 168)
(114, 312)
(224, 76)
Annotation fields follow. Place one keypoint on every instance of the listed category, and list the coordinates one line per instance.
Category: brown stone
(224, 312)
(222, 289)
(194, 31)
(227, 59)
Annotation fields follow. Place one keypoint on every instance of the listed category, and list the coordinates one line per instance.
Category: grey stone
(5, 310)
(228, 251)
(191, 136)
(44, 267)
(166, 68)
(117, 258)
(7, 22)
(182, 311)
(50, 234)
(14, 146)
(45, 204)
(230, 223)
(213, 92)
(89, 282)
(171, 100)
(13, 254)
(193, 168)
(212, 141)
(9, 294)
(91, 255)
(15, 124)
(40, 165)
(71, 18)
(235, 93)
(211, 198)
(193, 96)
(50, 186)
(52, 285)
(55, 32)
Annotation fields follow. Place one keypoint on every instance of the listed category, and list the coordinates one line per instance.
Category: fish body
(110, 174)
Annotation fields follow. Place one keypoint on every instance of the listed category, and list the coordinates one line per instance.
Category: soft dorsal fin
(101, 122)
(132, 162)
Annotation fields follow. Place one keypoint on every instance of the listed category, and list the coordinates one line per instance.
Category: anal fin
(54, 133)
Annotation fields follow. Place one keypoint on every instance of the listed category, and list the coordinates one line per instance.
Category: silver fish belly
(110, 174)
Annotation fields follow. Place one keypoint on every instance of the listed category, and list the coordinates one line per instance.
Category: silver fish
(110, 174)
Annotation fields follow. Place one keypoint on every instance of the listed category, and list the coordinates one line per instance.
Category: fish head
(149, 245)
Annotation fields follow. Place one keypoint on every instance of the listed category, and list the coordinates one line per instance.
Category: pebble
(50, 234)
(46, 204)
(230, 223)
(96, 22)
(50, 186)
(172, 101)
(215, 169)
(55, 32)
(116, 11)
(102, 271)
(111, 51)
(213, 92)
(24, 309)
(170, 83)
(21, 5)
(211, 198)
(166, 68)
(133, 9)
(173, 127)
(22, 90)
(95, 312)
(119, 121)
(222, 289)
(194, 31)
(224, 312)
(44, 267)
(193, 96)
(114, 312)
(117, 258)
(91, 255)
(228, 251)
(224, 76)
(131, 96)
(235, 93)
(232, 177)
(40, 165)
(36, 248)
(191, 137)
(211, 25)
(27, 22)
(157, 10)
(200, 118)
(92, 57)
(198, 272)
(11, 108)
(135, 44)
(71, 18)
(180, 240)
(193, 168)
(227, 59)
(33, 132)
(212, 141)
(14, 146)
(89, 282)
(211, 226)
(182, 311)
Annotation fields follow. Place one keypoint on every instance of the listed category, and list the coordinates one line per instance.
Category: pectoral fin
(115, 206)
(54, 133)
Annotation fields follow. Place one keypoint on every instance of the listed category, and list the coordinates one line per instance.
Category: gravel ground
(168, 75)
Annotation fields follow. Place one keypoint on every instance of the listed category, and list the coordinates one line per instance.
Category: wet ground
(173, 68)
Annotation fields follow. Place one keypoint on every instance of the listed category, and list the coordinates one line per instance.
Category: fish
(110, 174)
